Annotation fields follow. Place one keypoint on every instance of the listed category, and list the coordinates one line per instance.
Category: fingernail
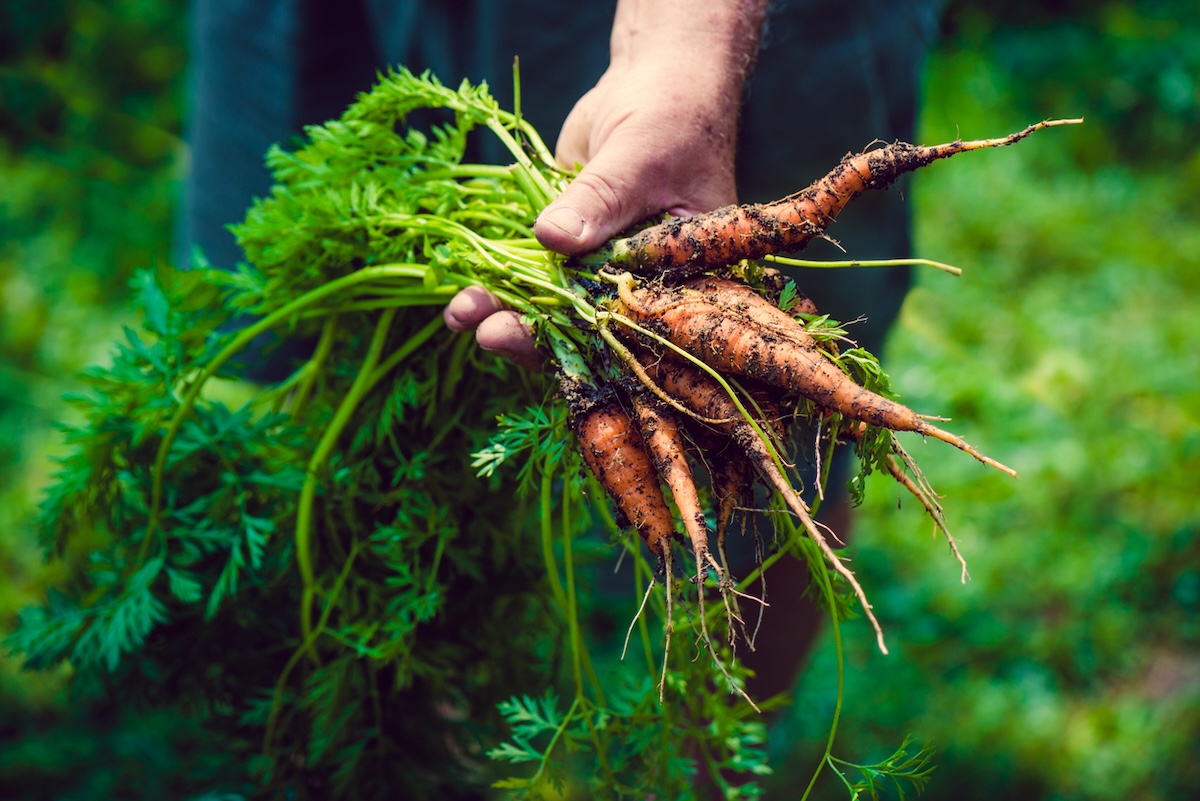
(565, 219)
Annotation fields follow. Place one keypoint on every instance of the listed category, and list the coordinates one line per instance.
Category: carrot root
(613, 450)
(686, 246)
(962, 445)
(924, 494)
(769, 347)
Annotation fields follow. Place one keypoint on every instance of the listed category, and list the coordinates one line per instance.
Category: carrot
(740, 298)
(614, 451)
(664, 443)
(772, 282)
(732, 342)
(686, 246)
(628, 455)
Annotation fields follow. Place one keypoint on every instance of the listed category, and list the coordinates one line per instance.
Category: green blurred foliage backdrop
(91, 98)
(1068, 667)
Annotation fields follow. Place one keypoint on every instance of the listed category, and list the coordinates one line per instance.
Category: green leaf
(788, 295)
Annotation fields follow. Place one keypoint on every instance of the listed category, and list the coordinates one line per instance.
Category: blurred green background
(1068, 667)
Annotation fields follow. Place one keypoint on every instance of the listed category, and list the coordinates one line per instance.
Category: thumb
(622, 186)
(607, 196)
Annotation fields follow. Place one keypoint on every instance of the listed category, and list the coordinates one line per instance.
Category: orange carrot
(614, 451)
(741, 298)
(732, 342)
(772, 282)
(686, 246)
(664, 443)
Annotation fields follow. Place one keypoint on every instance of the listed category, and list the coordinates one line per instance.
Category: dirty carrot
(741, 298)
(614, 451)
(665, 443)
(731, 342)
(727, 235)
(709, 398)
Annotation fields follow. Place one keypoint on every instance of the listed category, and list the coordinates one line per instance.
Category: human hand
(656, 134)
(651, 139)
(644, 152)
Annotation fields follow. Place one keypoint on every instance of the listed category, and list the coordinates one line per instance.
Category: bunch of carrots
(673, 348)
(717, 369)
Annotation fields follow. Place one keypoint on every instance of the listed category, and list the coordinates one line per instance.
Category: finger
(581, 218)
(504, 334)
(469, 308)
(618, 188)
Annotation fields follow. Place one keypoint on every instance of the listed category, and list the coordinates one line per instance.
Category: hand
(656, 134)
(650, 140)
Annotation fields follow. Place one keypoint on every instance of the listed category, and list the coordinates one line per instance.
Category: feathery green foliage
(319, 572)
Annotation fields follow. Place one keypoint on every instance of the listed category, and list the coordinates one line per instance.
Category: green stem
(562, 727)
(243, 338)
(312, 368)
(827, 593)
(362, 384)
(545, 192)
(546, 508)
(578, 649)
(494, 171)
(309, 641)
(587, 659)
(410, 345)
(791, 262)
(494, 219)
(642, 572)
(573, 614)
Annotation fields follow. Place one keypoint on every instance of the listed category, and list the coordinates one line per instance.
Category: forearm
(690, 59)
(716, 36)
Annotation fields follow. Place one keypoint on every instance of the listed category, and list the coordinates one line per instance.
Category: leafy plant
(319, 572)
